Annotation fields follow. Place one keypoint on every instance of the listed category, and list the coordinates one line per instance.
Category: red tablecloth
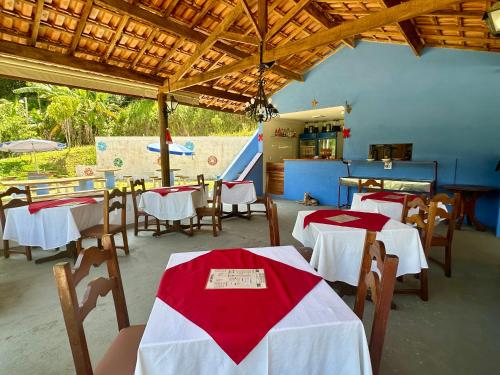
(35, 207)
(237, 319)
(177, 189)
(388, 196)
(363, 220)
(231, 184)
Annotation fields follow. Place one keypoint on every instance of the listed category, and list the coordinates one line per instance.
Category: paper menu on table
(236, 278)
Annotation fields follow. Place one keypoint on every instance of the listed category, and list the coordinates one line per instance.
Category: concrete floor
(456, 332)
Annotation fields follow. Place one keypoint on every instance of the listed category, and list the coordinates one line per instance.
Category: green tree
(13, 124)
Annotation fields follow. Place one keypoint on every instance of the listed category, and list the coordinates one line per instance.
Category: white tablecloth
(321, 335)
(173, 206)
(52, 227)
(239, 194)
(391, 209)
(338, 250)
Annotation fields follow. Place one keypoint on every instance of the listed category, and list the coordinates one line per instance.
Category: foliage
(60, 163)
(13, 122)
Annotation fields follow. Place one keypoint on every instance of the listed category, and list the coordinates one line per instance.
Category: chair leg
(447, 261)
(146, 222)
(27, 249)
(249, 211)
(214, 226)
(191, 226)
(99, 243)
(219, 221)
(125, 241)
(424, 285)
(6, 252)
(136, 225)
(198, 222)
(158, 225)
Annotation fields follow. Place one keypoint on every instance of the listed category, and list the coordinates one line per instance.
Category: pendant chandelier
(260, 108)
(170, 103)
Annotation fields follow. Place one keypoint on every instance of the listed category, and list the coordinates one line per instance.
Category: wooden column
(164, 155)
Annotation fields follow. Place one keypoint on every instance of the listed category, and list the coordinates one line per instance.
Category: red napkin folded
(35, 207)
(231, 184)
(177, 189)
(354, 219)
(388, 196)
(237, 319)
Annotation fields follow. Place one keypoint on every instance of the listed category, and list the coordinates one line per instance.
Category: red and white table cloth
(173, 203)
(300, 326)
(53, 223)
(238, 192)
(338, 247)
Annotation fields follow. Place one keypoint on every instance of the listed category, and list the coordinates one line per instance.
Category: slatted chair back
(137, 187)
(274, 231)
(115, 200)
(370, 185)
(217, 197)
(74, 311)
(201, 180)
(22, 198)
(451, 215)
(381, 286)
(424, 220)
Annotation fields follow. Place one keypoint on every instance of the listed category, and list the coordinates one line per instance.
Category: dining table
(337, 238)
(174, 204)
(52, 224)
(257, 311)
(235, 193)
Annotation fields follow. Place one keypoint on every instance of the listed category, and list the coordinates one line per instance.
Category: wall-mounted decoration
(101, 146)
(88, 171)
(189, 145)
(212, 160)
(346, 132)
(118, 162)
(314, 103)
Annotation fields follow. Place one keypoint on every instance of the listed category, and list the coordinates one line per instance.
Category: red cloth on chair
(388, 196)
(35, 207)
(177, 189)
(364, 220)
(231, 184)
(237, 319)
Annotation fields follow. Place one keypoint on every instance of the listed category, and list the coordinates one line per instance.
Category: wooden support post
(164, 155)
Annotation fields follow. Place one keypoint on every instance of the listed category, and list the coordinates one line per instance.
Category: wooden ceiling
(210, 47)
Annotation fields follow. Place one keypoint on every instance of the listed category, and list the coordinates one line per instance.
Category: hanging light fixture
(260, 108)
(492, 19)
(170, 104)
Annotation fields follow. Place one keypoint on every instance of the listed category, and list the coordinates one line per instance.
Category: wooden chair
(120, 358)
(370, 185)
(381, 291)
(445, 241)
(137, 188)
(214, 210)
(262, 199)
(114, 200)
(12, 203)
(274, 230)
(424, 220)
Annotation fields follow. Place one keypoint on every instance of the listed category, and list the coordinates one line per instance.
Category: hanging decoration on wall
(212, 160)
(189, 145)
(314, 103)
(118, 162)
(346, 133)
(260, 108)
(101, 146)
(88, 171)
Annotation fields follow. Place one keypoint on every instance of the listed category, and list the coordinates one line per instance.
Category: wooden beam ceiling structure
(210, 47)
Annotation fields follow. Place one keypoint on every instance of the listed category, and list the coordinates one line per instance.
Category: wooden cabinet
(275, 178)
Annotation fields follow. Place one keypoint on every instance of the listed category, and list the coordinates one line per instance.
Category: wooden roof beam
(286, 18)
(145, 47)
(36, 21)
(398, 13)
(80, 26)
(253, 21)
(209, 42)
(262, 18)
(407, 29)
(235, 37)
(116, 37)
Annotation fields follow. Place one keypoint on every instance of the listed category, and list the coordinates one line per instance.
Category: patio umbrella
(173, 149)
(32, 146)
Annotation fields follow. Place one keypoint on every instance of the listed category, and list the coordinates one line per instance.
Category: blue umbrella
(173, 149)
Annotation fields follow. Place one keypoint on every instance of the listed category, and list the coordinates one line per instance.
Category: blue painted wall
(447, 103)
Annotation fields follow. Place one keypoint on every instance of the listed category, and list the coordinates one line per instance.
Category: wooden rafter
(286, 18)
(36, 21)
(145, 46)
(235, 37)
(81, 25)
(407, 29)
(262, 18)
(116, 37)
(170, 7)
(251, 17)
(209, 42)
(169, 55)
(401, 12)
(204, 10)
